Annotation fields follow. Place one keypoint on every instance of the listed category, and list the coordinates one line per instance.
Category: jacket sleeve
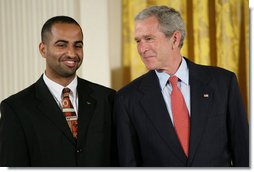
(128, 147)
(238, 126)
(13, 148)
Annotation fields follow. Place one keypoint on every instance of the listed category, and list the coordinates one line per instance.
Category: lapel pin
(88, 103)
(206, 95)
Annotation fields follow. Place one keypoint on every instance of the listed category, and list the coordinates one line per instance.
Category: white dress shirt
(56, 90)
(183, 74)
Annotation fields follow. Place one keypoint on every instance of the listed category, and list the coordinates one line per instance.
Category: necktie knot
(66, 91)
(173, 81)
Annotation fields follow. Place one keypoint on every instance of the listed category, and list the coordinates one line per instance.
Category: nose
(142, 47)
(71, 52)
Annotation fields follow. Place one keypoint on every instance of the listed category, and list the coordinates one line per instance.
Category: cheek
(53, 57)
(81, 54)
(164, 51)
(139, 49)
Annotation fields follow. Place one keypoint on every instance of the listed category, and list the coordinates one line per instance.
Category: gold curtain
(217, 35)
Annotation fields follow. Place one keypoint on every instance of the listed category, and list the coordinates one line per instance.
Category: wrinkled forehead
(146, 26)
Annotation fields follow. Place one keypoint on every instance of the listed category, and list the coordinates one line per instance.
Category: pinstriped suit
(219, 133)
(34, 132)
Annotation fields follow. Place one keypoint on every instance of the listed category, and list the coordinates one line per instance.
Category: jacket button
(79, 150)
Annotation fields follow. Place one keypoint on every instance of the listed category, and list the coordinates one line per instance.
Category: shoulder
(216, 77)
(209, 71)
(20, 102)
(21, 96)
(216, 70)
(135, 86)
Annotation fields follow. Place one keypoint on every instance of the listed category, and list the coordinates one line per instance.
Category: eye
(61, 45)
(148, 38)
(137, 41)
(79, 45)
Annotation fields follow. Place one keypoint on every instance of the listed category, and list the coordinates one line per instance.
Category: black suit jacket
(219, 133)
(34, 132)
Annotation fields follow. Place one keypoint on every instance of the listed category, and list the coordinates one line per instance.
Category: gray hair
(169, 20)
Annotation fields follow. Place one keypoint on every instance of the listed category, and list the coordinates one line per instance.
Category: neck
(64, 81)
(173, 66)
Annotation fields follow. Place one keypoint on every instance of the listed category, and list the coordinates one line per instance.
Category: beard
(61, 70)
(66, 71)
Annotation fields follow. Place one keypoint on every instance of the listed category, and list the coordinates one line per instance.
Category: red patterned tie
(69, 112)
(180, 115)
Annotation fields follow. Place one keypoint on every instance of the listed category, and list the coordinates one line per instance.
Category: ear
(42, 49)
(176, 39)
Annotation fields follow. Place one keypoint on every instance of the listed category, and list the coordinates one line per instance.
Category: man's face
(153, 46)
(63, 50)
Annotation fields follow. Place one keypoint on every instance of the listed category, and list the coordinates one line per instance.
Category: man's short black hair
(57, 19)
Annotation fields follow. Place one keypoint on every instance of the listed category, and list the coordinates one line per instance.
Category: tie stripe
(69, 112)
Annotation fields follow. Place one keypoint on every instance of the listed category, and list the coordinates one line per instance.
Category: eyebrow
(76, 42)
(61, 41)
(143, 37)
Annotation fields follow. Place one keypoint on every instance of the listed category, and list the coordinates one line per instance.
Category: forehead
(66, 29)
(148, 25)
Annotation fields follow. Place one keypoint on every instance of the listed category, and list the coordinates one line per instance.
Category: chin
(150, 66)
(68, 74)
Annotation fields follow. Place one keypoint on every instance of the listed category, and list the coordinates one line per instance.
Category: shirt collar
(182, 73)
(56, 89)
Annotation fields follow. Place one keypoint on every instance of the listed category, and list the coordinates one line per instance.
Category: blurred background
(217, 34)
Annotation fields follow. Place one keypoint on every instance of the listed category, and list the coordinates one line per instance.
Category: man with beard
(61, 120)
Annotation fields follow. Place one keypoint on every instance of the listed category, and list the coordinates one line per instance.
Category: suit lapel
(48, 106)
(156, 111)
(86, 109)
(201, 105)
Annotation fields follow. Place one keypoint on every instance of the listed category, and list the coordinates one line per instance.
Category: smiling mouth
(147, 57)
(70, 63)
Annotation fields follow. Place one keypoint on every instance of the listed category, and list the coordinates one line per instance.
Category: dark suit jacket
(34, 132)
(219, 133)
